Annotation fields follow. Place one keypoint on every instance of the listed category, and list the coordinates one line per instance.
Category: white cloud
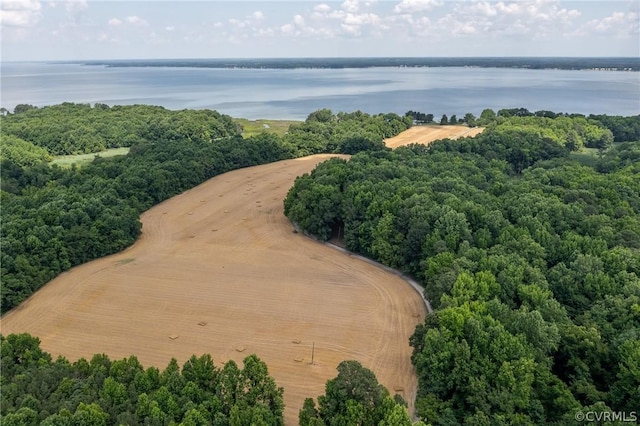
(385, 27)
(619, 24)
(352, 23)
(322, 8)
(237, 23)
(361, 19)
(350, 5)
(535, 18)
(295, 28)
(129, 21)
(248, 27)
(351, 19)
(411, 6)
(617, 18)
(288, 29)
(266, 32)
(353, 30)
(20, 13)
(136, 20)
(250, 21)
(73, 5)
(486, 9)
(515, 8)
(104, 37)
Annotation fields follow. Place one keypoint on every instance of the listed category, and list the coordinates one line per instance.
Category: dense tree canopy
(354, 398)
(37, 390)
(531, 258)
(624, 129)
(22, 153)
(420, 117)
(346, 133)
(72, 128)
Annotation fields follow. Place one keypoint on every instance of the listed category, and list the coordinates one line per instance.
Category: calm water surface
(294, 93)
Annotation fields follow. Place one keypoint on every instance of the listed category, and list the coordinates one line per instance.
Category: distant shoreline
(535, 63)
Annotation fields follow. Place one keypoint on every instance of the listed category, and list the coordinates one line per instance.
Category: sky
(33, 30)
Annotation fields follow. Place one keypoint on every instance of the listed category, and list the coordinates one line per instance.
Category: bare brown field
(427, 134)
(218, 270)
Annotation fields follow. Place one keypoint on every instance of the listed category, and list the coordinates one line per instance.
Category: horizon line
(235, 58)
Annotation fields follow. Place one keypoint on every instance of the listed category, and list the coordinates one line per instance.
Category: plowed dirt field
(218, 270)
(427, 134)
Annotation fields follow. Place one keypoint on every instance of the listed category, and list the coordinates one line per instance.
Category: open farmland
(427, 134)
(79, 159)
(218, 270)
(257, 127)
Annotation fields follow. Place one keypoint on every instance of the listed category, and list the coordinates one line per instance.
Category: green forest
(528, 249)
(530, 258)
(37, 390)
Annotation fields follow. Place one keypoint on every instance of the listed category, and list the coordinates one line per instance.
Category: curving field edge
(218, 270)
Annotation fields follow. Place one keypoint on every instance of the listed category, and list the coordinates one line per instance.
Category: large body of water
(294, 93)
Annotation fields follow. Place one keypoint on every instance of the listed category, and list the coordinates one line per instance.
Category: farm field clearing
(218, 270)
(257, 127)
(427, 134)
(80, 159)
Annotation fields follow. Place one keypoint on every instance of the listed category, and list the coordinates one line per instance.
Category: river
(294, 93)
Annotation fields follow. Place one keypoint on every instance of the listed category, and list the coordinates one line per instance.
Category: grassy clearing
(586, 156)
(81, 159)
(256, 127)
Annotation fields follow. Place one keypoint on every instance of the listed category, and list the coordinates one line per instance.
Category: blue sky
(116, 29)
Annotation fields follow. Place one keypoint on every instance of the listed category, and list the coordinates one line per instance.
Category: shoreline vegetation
(536, 63)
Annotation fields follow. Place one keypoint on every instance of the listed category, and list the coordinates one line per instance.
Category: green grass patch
(586, 156)
(81, 159)
(256, 127)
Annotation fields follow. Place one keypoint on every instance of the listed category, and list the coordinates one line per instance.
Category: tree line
(37, 390)
(622, 128)
(55, 218)
(72, 128)
(531, 259)
(626, 64)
